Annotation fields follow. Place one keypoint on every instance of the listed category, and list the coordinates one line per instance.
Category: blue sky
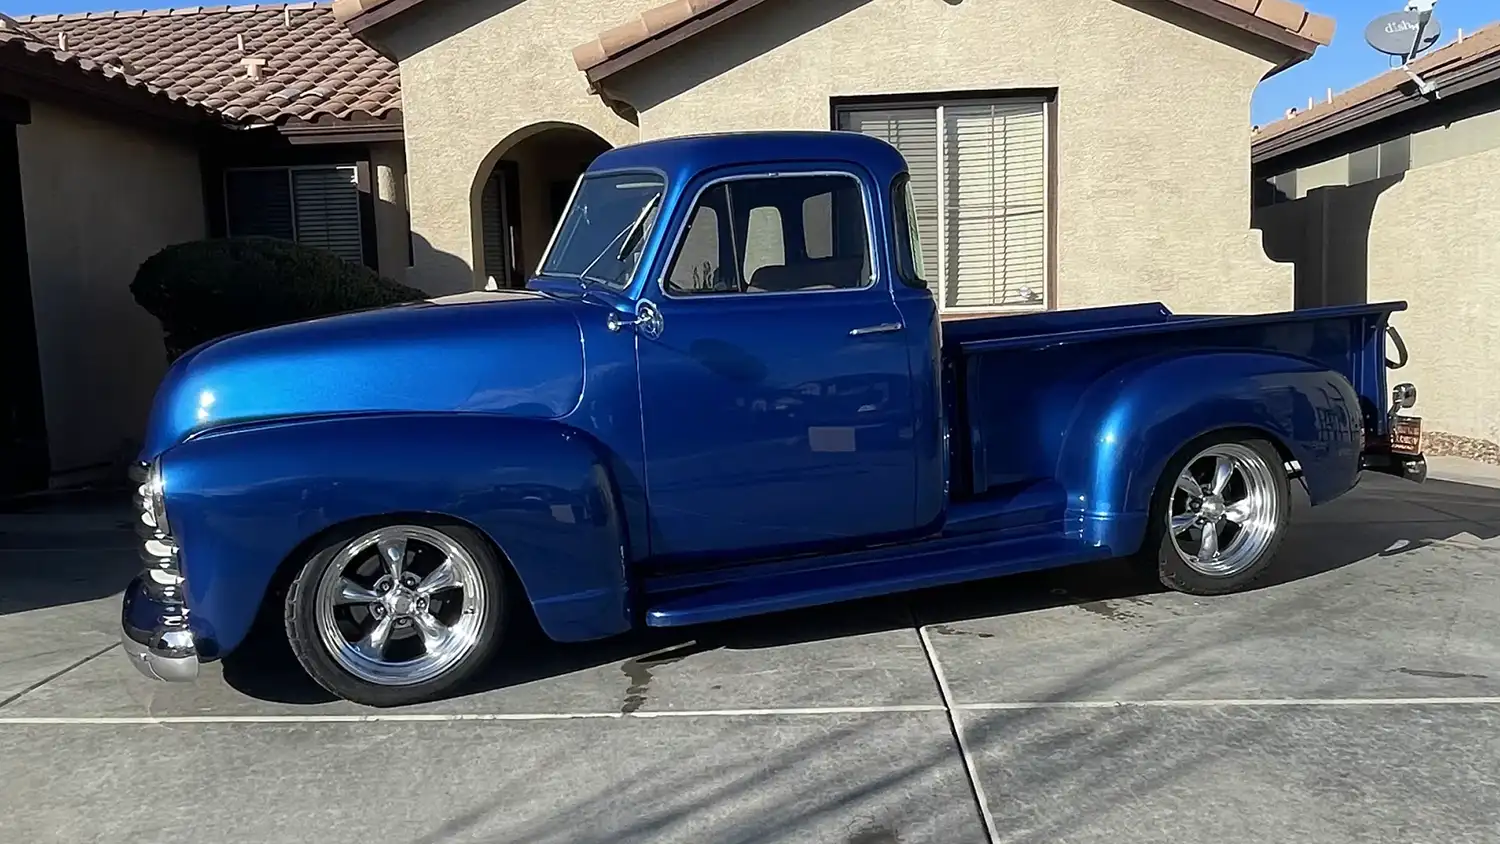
(1348, 62)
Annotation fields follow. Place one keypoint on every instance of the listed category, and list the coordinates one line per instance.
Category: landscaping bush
(207, 289)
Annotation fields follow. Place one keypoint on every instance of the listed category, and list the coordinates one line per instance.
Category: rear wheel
(1218, 516)
(398, 614)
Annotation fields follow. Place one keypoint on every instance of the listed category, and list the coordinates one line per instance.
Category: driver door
(776, 395)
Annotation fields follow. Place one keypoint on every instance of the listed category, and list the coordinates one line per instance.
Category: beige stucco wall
(1434, 243)
(100, 198)
(1153, 139)
(475, 76)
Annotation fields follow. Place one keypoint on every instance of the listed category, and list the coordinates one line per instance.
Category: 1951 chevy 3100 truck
(726, 391)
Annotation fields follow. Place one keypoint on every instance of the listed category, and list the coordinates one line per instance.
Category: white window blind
(979, 187)
(914, 132)
(316, 206)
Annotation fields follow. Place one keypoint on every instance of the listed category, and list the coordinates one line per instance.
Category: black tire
(1160, 554)
(303, 631)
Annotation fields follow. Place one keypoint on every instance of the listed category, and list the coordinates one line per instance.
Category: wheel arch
(1132, 422)
(269, 620)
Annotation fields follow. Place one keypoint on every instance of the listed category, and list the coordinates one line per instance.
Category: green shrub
(206, 289)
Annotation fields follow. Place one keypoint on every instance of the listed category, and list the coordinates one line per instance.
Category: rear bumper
(155, 635)
(1411, 467)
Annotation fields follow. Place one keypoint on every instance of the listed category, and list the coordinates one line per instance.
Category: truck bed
(1016, 385)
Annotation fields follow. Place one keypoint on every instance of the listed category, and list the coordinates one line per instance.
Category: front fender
(239, 501)
(1134, 419)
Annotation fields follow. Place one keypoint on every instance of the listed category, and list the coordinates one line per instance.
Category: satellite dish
(1404, 34)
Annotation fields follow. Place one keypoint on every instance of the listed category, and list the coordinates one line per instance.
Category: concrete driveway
(1356, 700)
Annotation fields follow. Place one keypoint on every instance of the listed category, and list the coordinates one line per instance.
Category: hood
(517, 353)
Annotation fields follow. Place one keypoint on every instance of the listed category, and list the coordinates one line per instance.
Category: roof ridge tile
(191, 51)
(1305, 27)
(171, 11)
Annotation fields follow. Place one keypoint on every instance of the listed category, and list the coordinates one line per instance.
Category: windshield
(599, 239)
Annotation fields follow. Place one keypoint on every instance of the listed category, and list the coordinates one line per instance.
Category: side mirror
(646, 320)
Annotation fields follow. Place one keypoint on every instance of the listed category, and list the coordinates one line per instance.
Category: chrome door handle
(883, 328)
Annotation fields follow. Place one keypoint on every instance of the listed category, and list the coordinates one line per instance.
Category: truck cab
(727, 391)
(780, 335)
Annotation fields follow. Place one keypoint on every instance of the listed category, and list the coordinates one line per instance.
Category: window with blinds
(316, 206)
(979, 190)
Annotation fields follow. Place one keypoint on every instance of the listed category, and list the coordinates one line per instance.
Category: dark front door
(23, 428)
(776, 396)
(500, 218)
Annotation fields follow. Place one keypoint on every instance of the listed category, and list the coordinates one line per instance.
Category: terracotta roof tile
(22, 38)
(200, 54)
(659, 20)
(1456, 55)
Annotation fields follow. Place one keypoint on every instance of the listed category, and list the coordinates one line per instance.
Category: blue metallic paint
(992, 446)
(1128, 425)
(242, 501)
(754, 406)
(476, 352)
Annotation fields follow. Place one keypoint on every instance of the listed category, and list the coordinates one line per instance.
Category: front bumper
(154, 627)
(155, 634)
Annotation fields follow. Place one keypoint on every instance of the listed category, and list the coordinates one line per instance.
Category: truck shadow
(1385, 519)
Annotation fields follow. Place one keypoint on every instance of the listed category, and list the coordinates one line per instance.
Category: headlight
(153, 494)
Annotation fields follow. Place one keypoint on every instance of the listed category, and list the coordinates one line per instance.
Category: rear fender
(1133, 420)
(240, 501)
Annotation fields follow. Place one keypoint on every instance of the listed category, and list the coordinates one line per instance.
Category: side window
(817, 225)
(696, 268)
(780, 234)
(765, 245)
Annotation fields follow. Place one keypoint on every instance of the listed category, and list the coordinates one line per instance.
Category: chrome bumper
(156, 637)
(154, 626)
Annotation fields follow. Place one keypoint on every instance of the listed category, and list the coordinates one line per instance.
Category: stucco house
(1385, 192)
(122, 133)
(1064, 153)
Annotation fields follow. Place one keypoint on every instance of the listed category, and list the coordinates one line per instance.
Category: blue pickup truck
(675, 423)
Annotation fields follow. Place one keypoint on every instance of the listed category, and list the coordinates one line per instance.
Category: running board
(774, 588)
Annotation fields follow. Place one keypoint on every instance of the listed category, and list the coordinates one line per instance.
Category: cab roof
(686, 156)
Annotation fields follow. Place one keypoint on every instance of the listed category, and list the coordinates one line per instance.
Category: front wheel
(398, 614)
(1218, 516)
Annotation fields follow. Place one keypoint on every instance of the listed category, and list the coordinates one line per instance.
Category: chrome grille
(163, 578)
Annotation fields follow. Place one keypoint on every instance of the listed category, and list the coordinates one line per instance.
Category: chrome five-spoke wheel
(400, 605)
(1223, 512)
(395, 613)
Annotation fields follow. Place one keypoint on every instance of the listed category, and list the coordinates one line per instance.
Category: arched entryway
(520, 193)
